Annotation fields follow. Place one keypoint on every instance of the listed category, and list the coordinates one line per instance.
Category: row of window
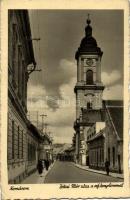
(17, 151)
(96, 156)
(31, 152)
(91, 135)
(18, 63)
(17, 142)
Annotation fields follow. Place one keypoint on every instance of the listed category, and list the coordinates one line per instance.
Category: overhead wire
(37, 45)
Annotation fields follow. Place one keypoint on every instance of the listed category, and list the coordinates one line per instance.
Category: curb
(39, 179)
(48, 172)
(98, 172)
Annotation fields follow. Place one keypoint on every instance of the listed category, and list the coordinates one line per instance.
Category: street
(67, 172)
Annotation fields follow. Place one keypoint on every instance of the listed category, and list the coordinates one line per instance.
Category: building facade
(96, 146)
(114, 135)
(107, 143)
(21, 63)
(34, 138)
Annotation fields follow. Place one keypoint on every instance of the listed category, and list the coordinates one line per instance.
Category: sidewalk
(116, 175)
(36, 177)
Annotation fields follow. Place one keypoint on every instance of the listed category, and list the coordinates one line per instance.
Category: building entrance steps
(36, 177)
(117, 175)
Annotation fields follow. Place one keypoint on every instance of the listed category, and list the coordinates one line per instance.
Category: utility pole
(43, 115)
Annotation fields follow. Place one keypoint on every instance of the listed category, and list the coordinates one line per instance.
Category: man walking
(107, 165)
(40, 167)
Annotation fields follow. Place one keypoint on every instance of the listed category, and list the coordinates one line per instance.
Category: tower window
(89, 77)
(89, 105)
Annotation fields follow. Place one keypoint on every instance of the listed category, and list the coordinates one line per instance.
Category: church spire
(88, 29)
(88, 43)
(88, 20)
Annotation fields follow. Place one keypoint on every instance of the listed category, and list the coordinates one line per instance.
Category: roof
(99, 134)
(88, 43)
(115, 103)
(34, 130)
(115, 109)
(70, 149)
(25, 23)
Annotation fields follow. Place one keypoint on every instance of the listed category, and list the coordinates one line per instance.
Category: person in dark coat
(47, 164)
(40, 167)
(107, 165)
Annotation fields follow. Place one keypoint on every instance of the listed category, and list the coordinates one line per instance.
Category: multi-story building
(21, 63)
(114, 134)
(107, 143)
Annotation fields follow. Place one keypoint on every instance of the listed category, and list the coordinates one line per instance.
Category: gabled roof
(98, 135)
(115, 109)
(115, 103)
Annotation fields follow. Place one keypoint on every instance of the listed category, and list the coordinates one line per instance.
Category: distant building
(46, 148)
(66, 154)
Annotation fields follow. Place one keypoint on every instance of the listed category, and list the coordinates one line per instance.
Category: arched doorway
(89, 77)
(89, 105)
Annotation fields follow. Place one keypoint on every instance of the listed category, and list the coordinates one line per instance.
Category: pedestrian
(43, 164)
(107, 165)
(47, 164)
(40, 167)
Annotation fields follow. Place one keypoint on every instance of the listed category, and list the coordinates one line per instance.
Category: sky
(51, 91)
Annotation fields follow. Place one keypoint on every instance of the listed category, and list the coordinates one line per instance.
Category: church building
(90, 107)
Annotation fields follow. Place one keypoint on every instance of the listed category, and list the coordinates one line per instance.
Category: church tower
(88, 89)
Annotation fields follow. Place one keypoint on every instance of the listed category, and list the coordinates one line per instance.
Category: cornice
(88, 87)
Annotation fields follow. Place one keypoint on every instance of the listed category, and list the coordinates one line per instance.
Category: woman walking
(40, 167)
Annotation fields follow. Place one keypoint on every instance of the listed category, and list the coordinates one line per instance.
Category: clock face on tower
(89, 62)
